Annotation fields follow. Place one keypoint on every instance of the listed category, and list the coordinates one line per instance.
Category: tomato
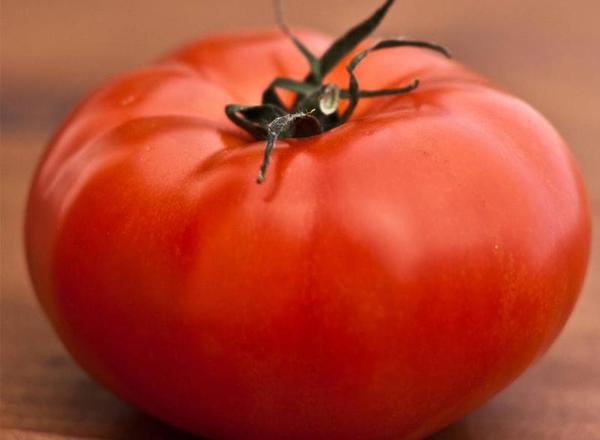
(388, 276)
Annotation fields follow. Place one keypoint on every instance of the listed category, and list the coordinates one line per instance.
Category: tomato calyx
(315, 108)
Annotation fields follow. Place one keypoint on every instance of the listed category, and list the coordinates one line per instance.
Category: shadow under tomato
(456, 431)
(138, 425)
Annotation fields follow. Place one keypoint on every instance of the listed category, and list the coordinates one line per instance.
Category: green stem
(315, 105)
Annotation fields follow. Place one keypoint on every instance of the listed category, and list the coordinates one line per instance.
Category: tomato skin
(389, 276)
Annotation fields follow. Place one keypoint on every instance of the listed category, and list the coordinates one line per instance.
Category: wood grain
(53, 52)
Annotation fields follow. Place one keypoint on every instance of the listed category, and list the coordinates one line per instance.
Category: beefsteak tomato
(389, 275)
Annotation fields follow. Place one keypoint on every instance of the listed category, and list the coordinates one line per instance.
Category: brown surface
(52, 52)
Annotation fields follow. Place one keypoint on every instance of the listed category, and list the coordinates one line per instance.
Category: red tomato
(390, 275)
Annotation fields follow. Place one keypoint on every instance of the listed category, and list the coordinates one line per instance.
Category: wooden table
(52, 52)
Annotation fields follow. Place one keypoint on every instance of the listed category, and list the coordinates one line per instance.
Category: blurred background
(53, 52)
